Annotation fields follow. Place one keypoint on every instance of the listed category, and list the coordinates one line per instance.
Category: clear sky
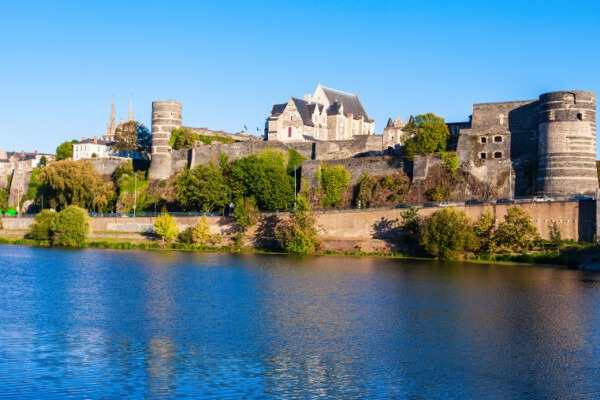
(61, 62)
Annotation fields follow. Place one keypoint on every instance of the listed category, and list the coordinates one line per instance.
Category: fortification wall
(166, 116)
(385, 165)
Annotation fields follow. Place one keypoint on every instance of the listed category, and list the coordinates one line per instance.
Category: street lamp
(134, 195)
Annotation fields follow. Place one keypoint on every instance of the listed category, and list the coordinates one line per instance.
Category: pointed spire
(130, 108)
(111, 127)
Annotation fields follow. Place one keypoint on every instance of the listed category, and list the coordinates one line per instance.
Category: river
(126, 324)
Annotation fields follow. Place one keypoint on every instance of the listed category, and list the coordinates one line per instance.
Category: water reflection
(123, 324)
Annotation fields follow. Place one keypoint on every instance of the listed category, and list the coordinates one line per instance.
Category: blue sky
(228, 62)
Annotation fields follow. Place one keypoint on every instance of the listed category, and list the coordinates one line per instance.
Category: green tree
(144, 140)
(3, 199)
(451, 162)
(64, 150)
(203, 188)
(516, 233)
(201, 233)
(246, 213)
(165, 226)
(298, 233)
(264, 176)
(183, 138)
(448, 234)
(43, 225)
(77, 183)
(555, 234)
(425, 134)
(70, 227)
(334, 180)
(484, 230)
(132, 136)
(43, 161)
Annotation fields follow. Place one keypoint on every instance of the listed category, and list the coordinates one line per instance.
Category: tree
(182, 138)
(264, 176)
(3, 199)
(246, 213)
(43, 161)
(42, 227)
(126, 137)
(165, 226)
(298, 233)
(65, 150)
(77, 183)
(70, 227)
(144, 140)
(425, 134)
(203, 188)
(201, 233)
(555, 234)
(448, 234)
(516, 233)
(333, 179)
(484, 230)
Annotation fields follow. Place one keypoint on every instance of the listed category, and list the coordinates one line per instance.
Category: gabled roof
(278, 109)
(302, 107)
(91, 141)
(352, 104)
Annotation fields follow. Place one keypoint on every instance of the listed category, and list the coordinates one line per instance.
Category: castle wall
(166, 116)
(356, 166)
(567, 143)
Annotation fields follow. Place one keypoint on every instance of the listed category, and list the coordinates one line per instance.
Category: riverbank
(573, 257)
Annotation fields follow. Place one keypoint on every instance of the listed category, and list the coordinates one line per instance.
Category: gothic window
(498, 139)
(483, 139)
(498, 154)
(483, 156)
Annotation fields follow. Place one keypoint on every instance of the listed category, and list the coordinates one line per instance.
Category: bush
(334, 179)
(298, 234)
(70, 227)
(246, 213)
(42, 227)
(201, 232)
(516, 233)
(165, 226)
(448, 234)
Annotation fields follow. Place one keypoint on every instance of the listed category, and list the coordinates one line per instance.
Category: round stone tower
(166, 116)
(567, 143)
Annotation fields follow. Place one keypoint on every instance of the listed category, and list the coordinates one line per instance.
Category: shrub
(70, 227)
(246, 213)
(298, 234)
(516, 233)
(334, 179)
(451, 162)
(165, 226)
(448, 234)
(42, 227)
(201, 232)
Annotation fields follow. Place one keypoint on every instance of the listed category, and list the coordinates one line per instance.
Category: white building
(91, 148)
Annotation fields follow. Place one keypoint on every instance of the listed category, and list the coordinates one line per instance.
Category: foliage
(448, 234)
(333, 179)
(484, 230)
(410, 226)
(201, 234)
(187, 235)
(516, 233)
(70, 227)
(366, 189)
(555, 234)
(294, 161)
(3, 199)
(451, 162)
(42, 227)
(264, 176)
(203, 188)
(425, 134)
(33, 186)
(126, 137)
(439, 193)
(77, 183)
(144, 140)
(246, 213)
(298, 234)
(43, 161)
(165, 226)
(65, 150)
(182, 138)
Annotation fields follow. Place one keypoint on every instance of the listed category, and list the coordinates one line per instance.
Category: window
(483, 139)
(498, 154)
(289, 132)
(483, 156)
(498, 139)
(580, 116)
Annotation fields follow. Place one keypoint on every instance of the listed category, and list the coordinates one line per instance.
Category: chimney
(95, 139)
(82, 138)
(307, 98)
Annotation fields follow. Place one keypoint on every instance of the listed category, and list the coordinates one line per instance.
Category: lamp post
(134, 195)
(295, 186)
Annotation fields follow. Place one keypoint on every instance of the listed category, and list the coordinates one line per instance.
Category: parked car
(430, 205)
(445, 204)
(505, 201)
(93, 214)
(403, 206)
(542, 198)
(581, 197)
(474, 201)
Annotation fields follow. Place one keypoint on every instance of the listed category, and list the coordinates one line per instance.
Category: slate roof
(352, 104)
(278, 109)
(303, 110)
(91, 141)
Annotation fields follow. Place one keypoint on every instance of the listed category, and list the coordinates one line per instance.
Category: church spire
(130, 109)
(111, 127)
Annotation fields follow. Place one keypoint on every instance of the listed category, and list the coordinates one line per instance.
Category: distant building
(91, 148)
(328, 114)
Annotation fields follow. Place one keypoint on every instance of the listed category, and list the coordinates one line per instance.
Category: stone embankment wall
(356, 166)
(350, 229)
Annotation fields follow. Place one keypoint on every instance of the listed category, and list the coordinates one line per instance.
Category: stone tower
(111, 127)
(166, 116)
(567, 143)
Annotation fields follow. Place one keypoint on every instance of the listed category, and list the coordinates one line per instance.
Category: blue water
(129, 324)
